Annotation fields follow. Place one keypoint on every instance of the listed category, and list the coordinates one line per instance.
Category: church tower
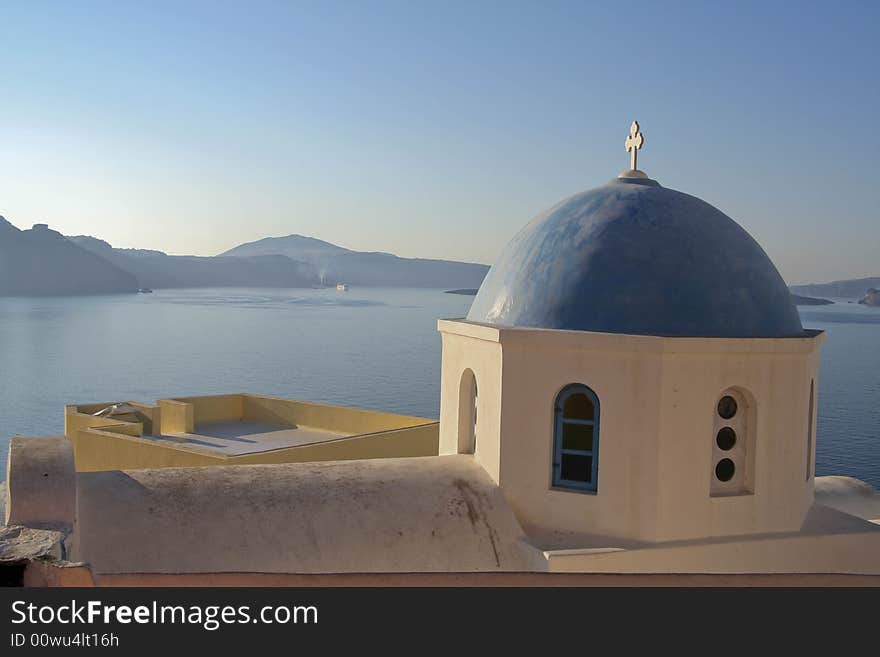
(633, 366)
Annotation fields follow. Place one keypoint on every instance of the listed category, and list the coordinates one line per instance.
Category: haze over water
(369, 347)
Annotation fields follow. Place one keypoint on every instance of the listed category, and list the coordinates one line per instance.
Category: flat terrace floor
(239, 437)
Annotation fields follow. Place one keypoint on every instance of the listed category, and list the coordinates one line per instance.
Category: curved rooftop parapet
(437, 514)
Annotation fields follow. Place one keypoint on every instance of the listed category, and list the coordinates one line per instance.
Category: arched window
(576, 439)
(467, 413)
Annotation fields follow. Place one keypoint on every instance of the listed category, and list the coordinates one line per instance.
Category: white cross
(634, 142)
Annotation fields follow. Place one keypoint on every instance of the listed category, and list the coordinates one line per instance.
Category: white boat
(342, 287)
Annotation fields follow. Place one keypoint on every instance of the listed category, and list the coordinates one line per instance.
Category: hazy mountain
(298, 247)
(155, 269)
(854, 288)
(42, 262)
(336, 264)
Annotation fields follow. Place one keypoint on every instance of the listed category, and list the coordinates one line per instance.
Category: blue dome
(634, 257)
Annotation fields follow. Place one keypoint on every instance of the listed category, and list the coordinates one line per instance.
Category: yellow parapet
(238, 429)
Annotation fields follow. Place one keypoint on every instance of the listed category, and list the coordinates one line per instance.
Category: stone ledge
(20, 544)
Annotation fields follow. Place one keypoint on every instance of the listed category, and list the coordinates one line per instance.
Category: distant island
(848, 289)
(335, 264)
(43, 262)
(809, 301)
(471, 291)
(156, 270)
(871, 298)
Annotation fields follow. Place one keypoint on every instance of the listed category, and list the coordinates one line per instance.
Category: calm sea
(368, 347)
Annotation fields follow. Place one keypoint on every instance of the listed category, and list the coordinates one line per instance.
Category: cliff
(42, 262)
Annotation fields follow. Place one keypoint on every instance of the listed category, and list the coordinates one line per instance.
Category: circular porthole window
(725, 469)
(727, 407)
(726, 438)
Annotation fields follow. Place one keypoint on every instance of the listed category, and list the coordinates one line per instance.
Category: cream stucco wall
(657, 403)
(776, 374)
(474, 350)
(40, 483)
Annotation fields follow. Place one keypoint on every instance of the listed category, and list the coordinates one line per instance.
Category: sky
(437, 129)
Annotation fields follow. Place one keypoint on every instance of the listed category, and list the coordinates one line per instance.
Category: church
(631, 394)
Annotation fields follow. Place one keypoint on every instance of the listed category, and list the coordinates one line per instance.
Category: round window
(727, 407)
(726, 438)
(725, 470)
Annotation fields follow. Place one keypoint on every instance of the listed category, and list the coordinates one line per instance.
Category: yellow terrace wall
(97, 449)
(218, 408)
(110, 444)
(338, 419)
(210, 408)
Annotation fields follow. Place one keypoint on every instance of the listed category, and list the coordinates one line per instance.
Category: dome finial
(633, 144)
